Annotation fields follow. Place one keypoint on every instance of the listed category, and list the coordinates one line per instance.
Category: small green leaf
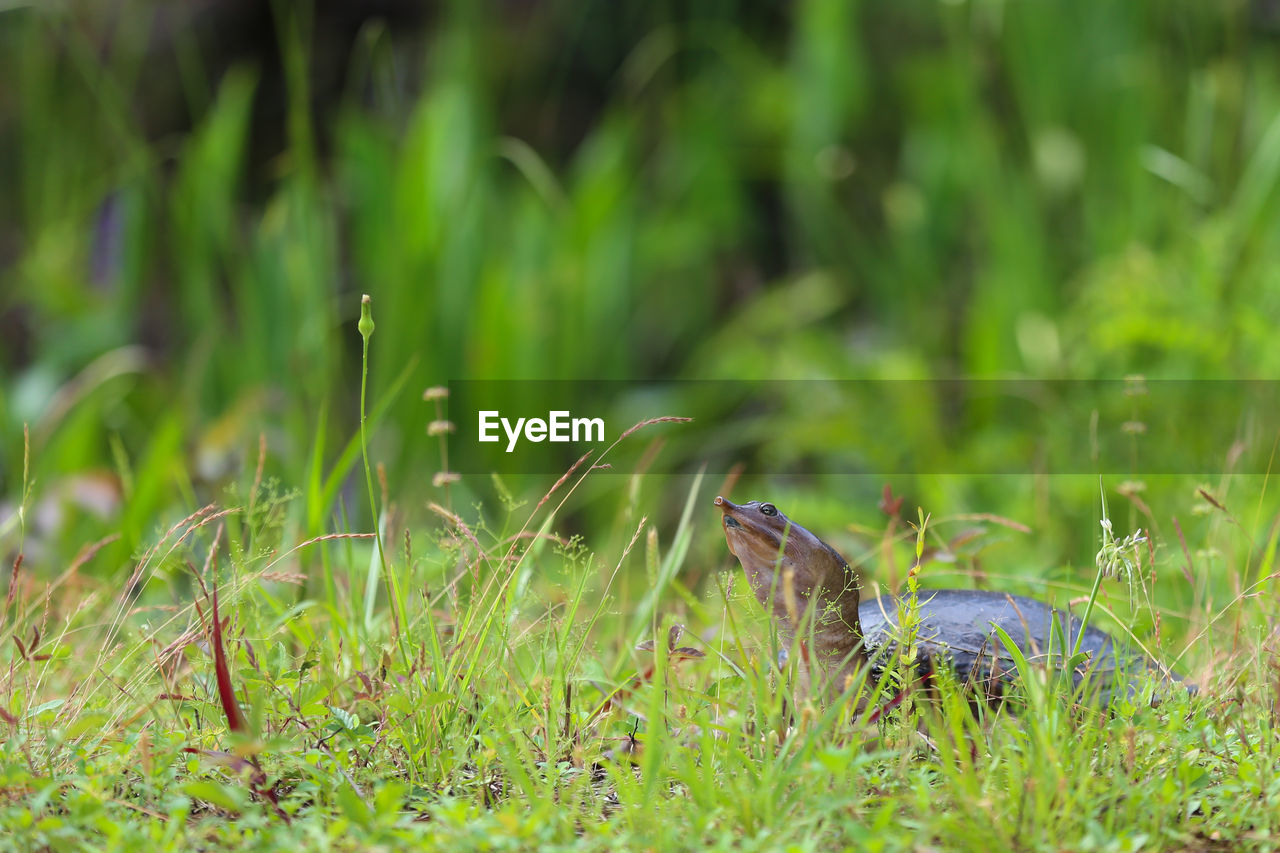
(51, 705)
(353, 806)
(349, 721)
(225, 797)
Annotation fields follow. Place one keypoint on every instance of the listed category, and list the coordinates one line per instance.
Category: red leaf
(226, 693)
(889, 505)
(888, 706)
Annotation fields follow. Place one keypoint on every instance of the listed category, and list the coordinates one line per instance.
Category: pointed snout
(728, 507)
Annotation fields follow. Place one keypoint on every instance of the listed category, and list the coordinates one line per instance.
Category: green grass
(479, 719)
(1028, 189)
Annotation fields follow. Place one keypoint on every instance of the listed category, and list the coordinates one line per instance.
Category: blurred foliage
(1060, 188)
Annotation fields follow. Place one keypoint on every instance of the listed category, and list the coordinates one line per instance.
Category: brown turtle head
(783, 559)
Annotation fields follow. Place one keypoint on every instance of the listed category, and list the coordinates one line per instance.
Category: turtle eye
(768, 509)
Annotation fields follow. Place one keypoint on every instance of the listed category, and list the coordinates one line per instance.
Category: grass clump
(509, 709)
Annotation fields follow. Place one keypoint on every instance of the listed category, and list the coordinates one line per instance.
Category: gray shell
(956, 630)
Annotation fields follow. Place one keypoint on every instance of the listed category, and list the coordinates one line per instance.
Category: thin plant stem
(366, 327)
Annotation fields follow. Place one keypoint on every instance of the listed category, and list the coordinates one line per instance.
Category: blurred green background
(194, 196)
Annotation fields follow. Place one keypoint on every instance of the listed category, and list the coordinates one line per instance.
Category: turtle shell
(956, 630)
